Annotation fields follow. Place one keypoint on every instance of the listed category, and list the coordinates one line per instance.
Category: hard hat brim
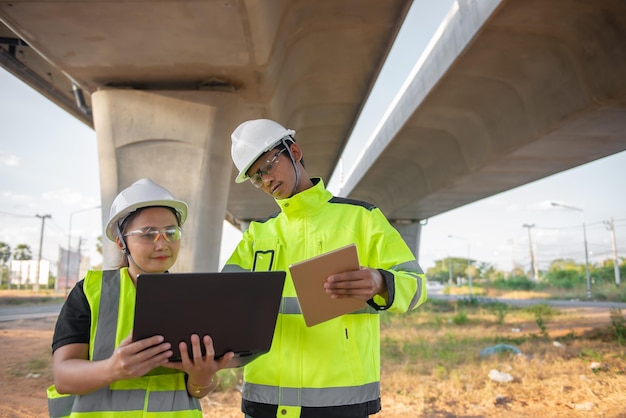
(178, 205)
(243, 176)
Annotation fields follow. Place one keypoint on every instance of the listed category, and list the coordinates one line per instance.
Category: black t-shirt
(74, 321)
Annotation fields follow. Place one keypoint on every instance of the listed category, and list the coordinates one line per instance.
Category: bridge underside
(512, 91)
(538, 89)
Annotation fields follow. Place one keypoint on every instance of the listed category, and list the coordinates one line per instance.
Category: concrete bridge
(510, 91)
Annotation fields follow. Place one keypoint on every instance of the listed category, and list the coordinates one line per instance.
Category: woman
(94, 356)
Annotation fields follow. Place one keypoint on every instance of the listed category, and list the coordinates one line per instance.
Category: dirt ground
(24, 343)
(25, 373)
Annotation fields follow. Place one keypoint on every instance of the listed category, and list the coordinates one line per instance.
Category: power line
(17, 215)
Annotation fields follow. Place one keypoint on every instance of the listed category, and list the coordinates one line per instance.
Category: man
(331, 369)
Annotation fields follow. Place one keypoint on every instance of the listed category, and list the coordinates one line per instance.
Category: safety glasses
(266, 168)
(150, 235)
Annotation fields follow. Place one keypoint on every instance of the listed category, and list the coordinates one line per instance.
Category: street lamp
(585, 240)
(533, 263)
(469, 274)
(611, 227)
(69, 243)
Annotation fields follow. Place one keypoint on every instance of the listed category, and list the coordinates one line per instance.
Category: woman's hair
(124, 225)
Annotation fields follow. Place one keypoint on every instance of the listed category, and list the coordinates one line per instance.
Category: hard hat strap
(125, 247)
(293, 162)
(132, 260)
(121, 237)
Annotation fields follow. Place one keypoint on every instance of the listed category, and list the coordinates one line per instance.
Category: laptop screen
(238, 310)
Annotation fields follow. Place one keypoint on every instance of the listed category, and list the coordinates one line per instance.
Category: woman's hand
(134, 359)
(200, 370)
(74, 373)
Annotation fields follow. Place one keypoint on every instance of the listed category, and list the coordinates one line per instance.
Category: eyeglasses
(150, 235)
(266, 168)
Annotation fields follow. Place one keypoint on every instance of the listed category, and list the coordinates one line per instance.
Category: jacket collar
(307, 202)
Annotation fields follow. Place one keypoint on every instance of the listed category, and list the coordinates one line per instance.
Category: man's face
(272, 174)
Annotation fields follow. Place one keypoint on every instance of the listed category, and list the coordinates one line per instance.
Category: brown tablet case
(309, 276)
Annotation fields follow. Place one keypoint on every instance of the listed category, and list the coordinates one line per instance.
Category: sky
(49, 166)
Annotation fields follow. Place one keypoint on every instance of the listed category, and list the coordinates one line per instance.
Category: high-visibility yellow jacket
(160, 393)
(336, 363)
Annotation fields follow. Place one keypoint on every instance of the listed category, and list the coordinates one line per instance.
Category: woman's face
(151, 256)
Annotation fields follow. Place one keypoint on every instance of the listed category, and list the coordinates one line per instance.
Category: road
(574, 303)
(435, 292)
(13, 313)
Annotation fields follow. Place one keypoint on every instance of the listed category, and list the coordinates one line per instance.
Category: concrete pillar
(411, 231)
(179, 139)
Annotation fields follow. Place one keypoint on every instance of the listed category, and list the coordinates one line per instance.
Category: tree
(5, 255)
(99, 245)
(22, 252)
(450, 266)
(604, 272)
(564, 273)
(488, 272)
(5, 252)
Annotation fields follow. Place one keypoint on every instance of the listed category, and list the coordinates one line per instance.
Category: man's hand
(361, 284)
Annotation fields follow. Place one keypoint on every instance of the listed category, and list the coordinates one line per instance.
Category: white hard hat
(252, 139)
(141, 194)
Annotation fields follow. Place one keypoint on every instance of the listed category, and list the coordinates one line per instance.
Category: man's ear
(296, 151)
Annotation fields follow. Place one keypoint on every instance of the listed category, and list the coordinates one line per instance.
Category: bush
(565, 279)
(499, 309)
(514, 283)
(618, 324)
(460, 318)
(542, 312)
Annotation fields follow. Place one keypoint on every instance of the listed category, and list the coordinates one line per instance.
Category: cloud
(19, 199)
(71, 197)
(9, 160)
(544, 205)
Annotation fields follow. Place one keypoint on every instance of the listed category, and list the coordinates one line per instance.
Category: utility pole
(585, 240)
(610, 226)
(43, 222)
(533, 263)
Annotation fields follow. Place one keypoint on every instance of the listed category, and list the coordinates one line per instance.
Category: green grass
(436, 332)
(29, 300)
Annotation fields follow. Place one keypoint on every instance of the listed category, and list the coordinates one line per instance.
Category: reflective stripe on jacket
(336, 362)
(160, 393)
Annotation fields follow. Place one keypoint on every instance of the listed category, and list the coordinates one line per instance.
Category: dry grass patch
(569, 366)
(572, 364)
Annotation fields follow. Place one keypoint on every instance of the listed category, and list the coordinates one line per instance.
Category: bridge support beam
(411, 232)
(179, 139)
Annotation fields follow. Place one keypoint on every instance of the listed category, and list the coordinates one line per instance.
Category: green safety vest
(160, 393)
(337, 362)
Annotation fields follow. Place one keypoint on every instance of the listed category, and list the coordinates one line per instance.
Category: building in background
(23, 273)
(77, 266)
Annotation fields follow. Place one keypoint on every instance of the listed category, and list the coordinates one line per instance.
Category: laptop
(309, 276)
(238, 310)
